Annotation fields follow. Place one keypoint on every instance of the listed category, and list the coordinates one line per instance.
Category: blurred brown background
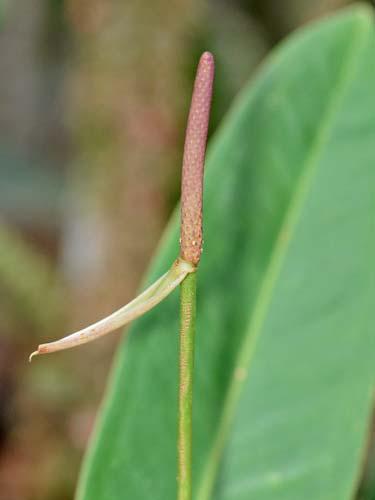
(93, 102)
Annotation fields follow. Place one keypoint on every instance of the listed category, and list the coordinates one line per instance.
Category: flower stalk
(191, 249)
(182, 272)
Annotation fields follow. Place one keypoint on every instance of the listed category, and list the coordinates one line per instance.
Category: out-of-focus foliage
(28, 283)
(30, 194)
(2, 8)
(284, 364)
(93, 102)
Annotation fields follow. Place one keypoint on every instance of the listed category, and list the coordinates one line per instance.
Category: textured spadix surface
(285, 337)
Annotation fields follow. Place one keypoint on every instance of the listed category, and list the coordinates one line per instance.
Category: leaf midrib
(247, 350)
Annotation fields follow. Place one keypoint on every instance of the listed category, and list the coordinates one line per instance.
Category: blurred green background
(93, 103)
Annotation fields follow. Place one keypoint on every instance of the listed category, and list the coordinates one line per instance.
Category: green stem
(187, 334)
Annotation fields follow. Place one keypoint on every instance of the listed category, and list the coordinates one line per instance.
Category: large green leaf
(285, 349)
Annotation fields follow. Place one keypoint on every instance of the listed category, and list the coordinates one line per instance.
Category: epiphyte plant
(182, 272)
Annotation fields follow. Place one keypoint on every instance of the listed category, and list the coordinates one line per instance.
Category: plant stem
(187, 333)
